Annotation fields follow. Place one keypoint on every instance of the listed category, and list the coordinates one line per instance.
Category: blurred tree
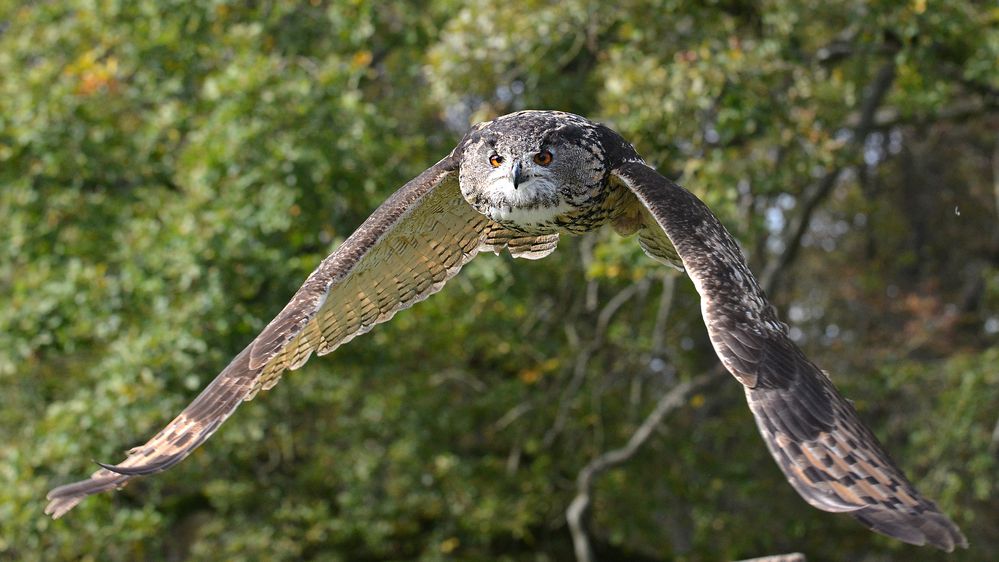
(163, 165)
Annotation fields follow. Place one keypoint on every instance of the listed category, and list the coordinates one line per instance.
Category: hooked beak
(518, 176)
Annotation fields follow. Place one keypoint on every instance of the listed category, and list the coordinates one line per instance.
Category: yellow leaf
(361, 59)
(450, 545)
(529, 376)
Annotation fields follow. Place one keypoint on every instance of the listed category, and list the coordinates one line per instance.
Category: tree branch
(876, 93)
(575, 514)
(889, 118)
(791, 557)
(585, 353)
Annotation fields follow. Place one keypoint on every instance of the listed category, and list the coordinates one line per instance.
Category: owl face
(529, 170)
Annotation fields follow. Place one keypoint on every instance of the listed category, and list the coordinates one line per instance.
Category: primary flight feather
(516, 184)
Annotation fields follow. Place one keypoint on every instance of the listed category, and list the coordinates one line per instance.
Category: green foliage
(171, 171)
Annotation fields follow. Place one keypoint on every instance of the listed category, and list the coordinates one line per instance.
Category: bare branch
(876, 93)
(995, 179)
(585, 353)
(513, 414)
(890, 117)
(576, 513)
(654, 359)
(662, 313)
(791, 557)
(994, 442)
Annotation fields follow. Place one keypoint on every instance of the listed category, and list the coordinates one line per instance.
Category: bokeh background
(171, 171)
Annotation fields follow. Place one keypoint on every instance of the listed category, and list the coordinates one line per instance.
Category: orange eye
(543, 158)
(495, 160)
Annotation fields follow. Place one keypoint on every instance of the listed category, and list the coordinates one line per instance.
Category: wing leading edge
(815, 435)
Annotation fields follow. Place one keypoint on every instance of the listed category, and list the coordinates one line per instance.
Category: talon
(131, 471)
(110, 467)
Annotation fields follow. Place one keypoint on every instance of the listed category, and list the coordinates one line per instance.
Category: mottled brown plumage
(815, 435)
(516, 184)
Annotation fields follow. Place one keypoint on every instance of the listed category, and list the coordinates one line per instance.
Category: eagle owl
(516, 184)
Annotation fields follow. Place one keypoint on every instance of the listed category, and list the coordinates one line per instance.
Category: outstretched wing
(826, 452)
(404, 252)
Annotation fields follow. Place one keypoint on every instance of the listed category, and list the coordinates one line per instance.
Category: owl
(516, 184)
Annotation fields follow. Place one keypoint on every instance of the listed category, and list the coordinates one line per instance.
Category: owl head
(526, 170)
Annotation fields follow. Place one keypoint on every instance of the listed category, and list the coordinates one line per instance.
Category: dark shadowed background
(170, 173)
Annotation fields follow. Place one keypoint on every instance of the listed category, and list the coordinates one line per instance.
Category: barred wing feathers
(404, 252)
(815, 435)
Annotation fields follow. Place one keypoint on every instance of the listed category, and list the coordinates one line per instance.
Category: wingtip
(57, 507)
(66, 497)
(928, 528)
(945, 535)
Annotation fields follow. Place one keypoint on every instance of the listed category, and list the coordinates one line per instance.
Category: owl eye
(495, 160)
(543, 158)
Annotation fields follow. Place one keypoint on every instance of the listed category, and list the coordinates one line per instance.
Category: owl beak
(518, 176)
